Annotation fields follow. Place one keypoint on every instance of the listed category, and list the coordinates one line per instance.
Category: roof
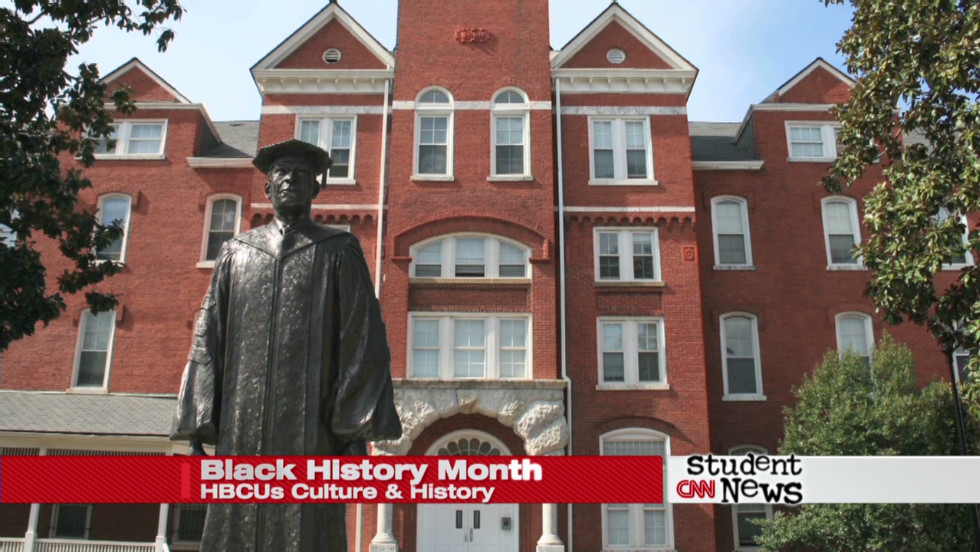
(819, 63)
(95, 414)
(135, 63)
(716, 142)
(241, 140)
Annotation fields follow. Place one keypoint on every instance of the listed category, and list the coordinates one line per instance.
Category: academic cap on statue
(268, 155)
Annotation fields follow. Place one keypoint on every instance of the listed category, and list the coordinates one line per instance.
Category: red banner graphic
(376, 479)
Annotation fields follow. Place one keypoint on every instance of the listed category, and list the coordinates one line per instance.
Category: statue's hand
(197, 449)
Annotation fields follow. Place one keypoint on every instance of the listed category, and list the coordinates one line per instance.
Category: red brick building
(567, 265)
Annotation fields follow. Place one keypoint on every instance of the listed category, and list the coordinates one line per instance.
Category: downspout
(382, 189)
(562, 292)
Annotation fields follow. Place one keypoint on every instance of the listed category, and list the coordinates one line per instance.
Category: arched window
(511, 152)
(855, 333)
(222, 220)
(470, 256)
(468, 443)
(635, 526)
(94, 350)
(842, 231)
(434, 135)
(730, 222)
(115, 208)
(745, 530)
(741, 366)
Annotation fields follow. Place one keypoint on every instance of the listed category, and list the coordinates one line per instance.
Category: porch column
(161, 540)
(550, 541)
(384, 540)
(31, 535)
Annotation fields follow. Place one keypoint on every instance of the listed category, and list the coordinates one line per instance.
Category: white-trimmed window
(855, 333)
(621, 151)
(469, 256)
(189, 522)
(434, 135)
(223, 219)
(961, 360)
(115, 208)
(842, 231)
(627, 255)
(93, 353)
(730, 221)
(631, 352)
(741, 366)
(636, 526)
(338, 137)
(745, 530)
(469, 346)
(136, 139)
(511, 152)
(71, 521)
(962, 258)
(812, 141)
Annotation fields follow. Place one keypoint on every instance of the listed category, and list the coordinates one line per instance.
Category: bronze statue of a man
(290, 357)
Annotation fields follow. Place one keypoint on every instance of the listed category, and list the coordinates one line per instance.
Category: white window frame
(209, 263)
(53, 530)
(625, 244)
(176, 529)
(630, 351)
(619, 153)
(743, 206)
(852, 210)
(434, 110)
(325, 140)
(492, 346)
(510, 110)
(967, 254)
(637, 524)
(765, 509)
(491, 257)
(869, 335)
(127, 225)
(80, 339)
(960, 365)
(828, 140)
(123, 132)
(754, 321)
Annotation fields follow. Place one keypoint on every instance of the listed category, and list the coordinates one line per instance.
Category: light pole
(961, 433)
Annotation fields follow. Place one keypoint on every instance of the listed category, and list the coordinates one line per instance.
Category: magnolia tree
(916, 108)
(47, 111)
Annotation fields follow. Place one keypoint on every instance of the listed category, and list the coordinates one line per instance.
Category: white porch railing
(68, 545)
(11, 545)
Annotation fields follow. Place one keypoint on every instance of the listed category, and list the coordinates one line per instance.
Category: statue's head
(293, 167)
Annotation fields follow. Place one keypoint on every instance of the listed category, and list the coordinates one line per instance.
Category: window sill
(510, 178)
(205, 264)
(130, 157)
(957, 266)
(735, 267)
(341, 181)
(433, 177)
(631, 283)
(87, 390)
(632, 387)
(640, 549)
(811, 159)
(626, 182)
(846, 268)
(487, 281)
(744, 398)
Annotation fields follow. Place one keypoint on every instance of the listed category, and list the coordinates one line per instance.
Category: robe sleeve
(199, 401)
(364, 406)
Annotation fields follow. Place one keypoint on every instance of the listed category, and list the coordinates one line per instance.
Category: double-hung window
(855, 334)
(636, 526)
(963, 257)
(622, 151)
(222, 222)
(742, 369)
(467, 346)
(631, 352)
(961, 361)
(135, 139)
(338, 137)
(744, 516)
(94, 352)
(511, 151)
(116, 209)
(469, 256)
(434, 135)
(627, 255)
(842, 231)
(812, 141)
(730, 220)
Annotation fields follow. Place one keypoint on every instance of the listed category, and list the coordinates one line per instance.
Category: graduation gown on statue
(290, 357)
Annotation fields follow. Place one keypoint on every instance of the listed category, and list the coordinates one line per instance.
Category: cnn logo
(696, 488)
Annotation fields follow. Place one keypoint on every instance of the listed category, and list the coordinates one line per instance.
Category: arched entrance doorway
(468, 527)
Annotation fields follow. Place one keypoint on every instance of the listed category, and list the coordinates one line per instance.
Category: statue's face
(292, 184)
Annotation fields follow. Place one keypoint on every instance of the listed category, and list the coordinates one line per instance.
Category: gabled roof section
(332, 12)
(616, 14)
(147, 85)
(819, 83)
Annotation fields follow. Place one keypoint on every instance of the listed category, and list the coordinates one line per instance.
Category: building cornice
(322, 81)
(630, 81)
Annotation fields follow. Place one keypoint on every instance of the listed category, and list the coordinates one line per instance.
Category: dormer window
(134, 140)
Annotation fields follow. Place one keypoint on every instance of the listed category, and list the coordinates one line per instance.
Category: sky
(745, 49)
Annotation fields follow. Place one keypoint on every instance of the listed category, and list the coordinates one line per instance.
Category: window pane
(738, 338)
(602, 135)
(731, 249)
(222, 226)
(103, 145)
(643, 256)
(91, 368)
(648, 357)
(432, 159)
(842, 249)
(613, 356)
(509, 160)
(655, 527)
(470, 353)
(618, 524)
(114, 209)
(509, 97)
(637, 447)
(636, 164)
(604, 166)
(434, 96)
(72, 521)
(341, 136)
(309, 131)
(428, 261)
(838, 217)
(470, 258)
(145, 138)
(853, 335)
(191, 522)
(608, 255)
(513, 261)
(748, 531)
(741, 376)
(513, 348)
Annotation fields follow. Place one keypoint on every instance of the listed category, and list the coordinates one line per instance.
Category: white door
(468, 527)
